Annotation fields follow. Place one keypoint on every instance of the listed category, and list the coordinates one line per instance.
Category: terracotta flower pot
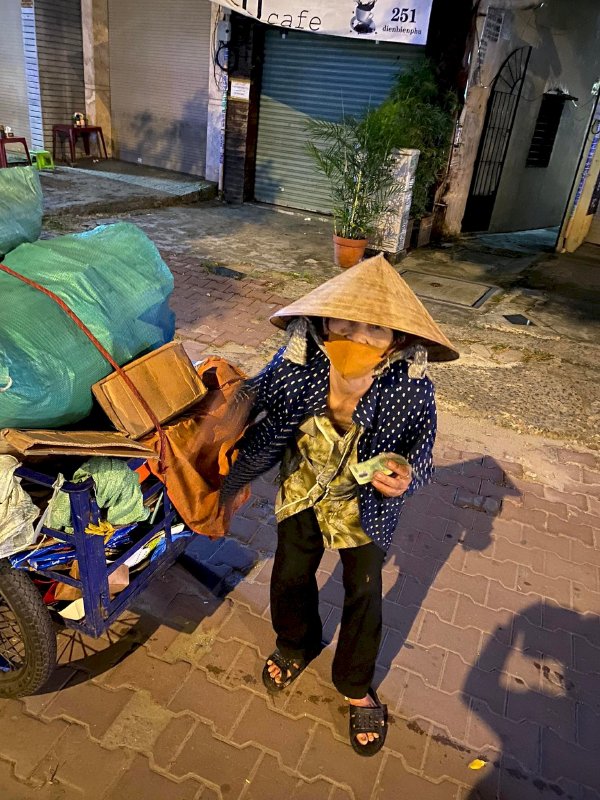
(348, 252)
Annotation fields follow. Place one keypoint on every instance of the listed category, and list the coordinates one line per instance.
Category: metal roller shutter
(13, 85)
(59, 61)
(318, 77)
(159, 66)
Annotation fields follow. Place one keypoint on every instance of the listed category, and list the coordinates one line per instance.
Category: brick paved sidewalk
(491, 648)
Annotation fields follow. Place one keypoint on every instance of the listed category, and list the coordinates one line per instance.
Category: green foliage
(356, 156)
(419, 115)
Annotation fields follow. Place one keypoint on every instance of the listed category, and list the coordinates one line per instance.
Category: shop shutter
(159, 66)
(314, 77)
(59, 54)
(13, 85)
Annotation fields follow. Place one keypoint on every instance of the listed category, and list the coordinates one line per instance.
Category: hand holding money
(389, 473)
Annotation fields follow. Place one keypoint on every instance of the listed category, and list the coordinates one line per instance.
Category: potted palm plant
(420, 115)
(356, 156)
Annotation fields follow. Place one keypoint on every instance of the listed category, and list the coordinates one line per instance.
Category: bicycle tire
(23, 613)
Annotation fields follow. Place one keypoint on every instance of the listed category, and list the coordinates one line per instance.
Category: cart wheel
(27, 637)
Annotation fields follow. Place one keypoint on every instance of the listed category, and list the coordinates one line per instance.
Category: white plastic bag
(17, 510)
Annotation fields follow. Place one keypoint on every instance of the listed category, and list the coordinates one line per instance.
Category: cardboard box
(165, 378)
(30, 443)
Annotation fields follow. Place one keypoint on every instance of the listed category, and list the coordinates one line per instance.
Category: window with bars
(546, 129)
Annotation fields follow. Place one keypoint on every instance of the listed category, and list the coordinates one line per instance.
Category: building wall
(566, 54)
(13, 84)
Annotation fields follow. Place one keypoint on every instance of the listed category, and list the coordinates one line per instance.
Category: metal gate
(493, 145)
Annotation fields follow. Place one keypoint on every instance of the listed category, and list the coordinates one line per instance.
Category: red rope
(105, 354)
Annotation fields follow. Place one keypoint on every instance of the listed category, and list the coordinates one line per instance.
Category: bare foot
(275, 672)
(365, 702)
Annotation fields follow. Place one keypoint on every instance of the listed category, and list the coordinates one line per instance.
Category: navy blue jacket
(397, 413)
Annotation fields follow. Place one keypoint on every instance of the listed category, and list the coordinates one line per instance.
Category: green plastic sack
(20, 207)
(114, 279)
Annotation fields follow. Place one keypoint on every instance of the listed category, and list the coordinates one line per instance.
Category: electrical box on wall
(224, 30)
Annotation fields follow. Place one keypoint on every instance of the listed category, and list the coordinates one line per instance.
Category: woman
(350, 386)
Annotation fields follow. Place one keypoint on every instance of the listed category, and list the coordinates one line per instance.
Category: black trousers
(295, 602)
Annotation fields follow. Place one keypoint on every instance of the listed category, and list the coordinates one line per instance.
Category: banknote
(364, 471)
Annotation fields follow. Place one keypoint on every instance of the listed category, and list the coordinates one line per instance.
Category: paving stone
(219, 659)
(557, 589)
(447, 759)
(584, 600)
(586, 657)
(247, 627)
(88, 704)
(25, 741)
(142, 671)
(585, 574)
(216, 762)
(391, 683)
(441, 602)
(13, 789)
(408, 739)
(584, 533)
(245, 671)
(532, 557)
(436, 632)
(472, 682)
(528, 604)
(396, 781)
(79, 762)
(557, 644)
(475, 586)
(213, 703)
(327, 755)
(35, 704)
(572, 457)
(447, 711)
(488, 730)
(267, 728)
(581, 554)
(551, 711)
(142, 781)
(139, 724)
(270, 778)
(425, 661)
(588, 728)
(316, 700)
(170, 741)
(505, 572)
(470, 614)
(561, 759)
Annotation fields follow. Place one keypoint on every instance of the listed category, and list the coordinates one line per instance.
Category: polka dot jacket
(397, 414)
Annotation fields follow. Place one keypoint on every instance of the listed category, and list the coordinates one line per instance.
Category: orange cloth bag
(200, 449)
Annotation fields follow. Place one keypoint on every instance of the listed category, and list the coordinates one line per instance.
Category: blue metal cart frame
(94, 571)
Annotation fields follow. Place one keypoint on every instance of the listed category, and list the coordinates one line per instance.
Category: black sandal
(368, 720)
(295, 666)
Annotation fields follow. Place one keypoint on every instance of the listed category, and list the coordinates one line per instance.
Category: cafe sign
(378, 20)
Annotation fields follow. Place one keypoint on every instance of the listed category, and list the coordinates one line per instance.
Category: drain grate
(518, 319)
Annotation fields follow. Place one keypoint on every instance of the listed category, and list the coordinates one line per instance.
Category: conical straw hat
(374, 293)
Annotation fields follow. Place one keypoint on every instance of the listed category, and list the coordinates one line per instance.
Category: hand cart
(27, 632)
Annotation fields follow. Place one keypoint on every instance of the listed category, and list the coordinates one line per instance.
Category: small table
(73, 133)
(6, 140)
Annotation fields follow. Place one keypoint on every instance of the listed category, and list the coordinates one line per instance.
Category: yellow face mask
(352, 359)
